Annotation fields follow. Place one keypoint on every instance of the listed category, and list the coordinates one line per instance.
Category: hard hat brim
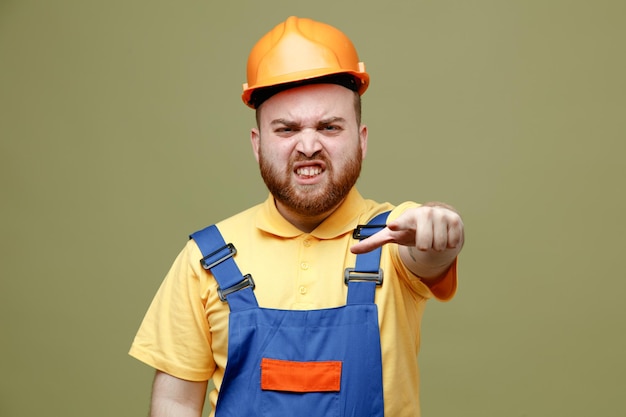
(301, 78)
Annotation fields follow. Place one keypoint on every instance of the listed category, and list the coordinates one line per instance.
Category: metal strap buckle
(350, 274)
(364, 231)
(247, 282)
(206, 261)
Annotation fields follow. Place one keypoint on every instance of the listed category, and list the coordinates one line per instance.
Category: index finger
(373, 242)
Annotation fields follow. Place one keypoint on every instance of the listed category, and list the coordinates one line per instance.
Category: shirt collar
(343, 220)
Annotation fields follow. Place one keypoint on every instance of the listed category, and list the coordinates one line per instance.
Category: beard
(316, 199)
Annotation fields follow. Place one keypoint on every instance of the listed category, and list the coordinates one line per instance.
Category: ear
(363, 140)
(255, 138)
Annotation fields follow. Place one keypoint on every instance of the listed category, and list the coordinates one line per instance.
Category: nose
(309, 142)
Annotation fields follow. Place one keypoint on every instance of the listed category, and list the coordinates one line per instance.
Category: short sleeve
(174, 336)
(445, 288)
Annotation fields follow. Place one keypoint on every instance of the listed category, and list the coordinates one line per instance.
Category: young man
(327, 322)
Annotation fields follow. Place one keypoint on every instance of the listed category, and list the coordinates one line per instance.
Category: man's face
(310, 147)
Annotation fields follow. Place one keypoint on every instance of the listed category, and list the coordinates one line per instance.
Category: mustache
(317, 156)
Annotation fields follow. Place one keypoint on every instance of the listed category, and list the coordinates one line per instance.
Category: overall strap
(233, 286)
(366, 274)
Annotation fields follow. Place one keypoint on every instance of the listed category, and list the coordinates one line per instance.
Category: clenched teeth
(309, 171)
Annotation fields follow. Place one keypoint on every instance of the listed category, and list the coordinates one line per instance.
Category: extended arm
(429, 237)
(174, 397)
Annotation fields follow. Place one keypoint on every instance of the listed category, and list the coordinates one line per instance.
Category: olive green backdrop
(122, 130)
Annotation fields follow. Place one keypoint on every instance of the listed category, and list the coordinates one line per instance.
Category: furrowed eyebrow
(284, 122)
(291, 123)
(331, 120)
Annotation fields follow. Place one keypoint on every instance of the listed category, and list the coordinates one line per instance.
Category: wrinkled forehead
(309, 104)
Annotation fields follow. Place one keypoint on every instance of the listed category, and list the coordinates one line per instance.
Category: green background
(122, 130)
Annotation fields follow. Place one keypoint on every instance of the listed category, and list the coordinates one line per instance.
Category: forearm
(429, 265)
(174, 397)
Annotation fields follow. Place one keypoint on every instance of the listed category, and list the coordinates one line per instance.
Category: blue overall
(311, 363)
